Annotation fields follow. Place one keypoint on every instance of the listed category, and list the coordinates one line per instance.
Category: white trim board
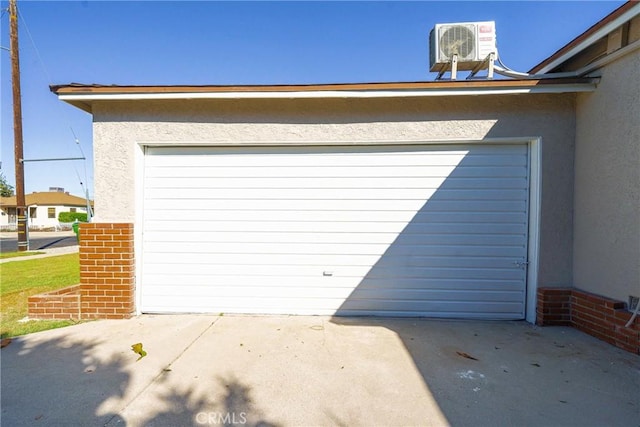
(556, 88)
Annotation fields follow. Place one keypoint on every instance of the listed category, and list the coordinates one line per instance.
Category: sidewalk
(37, 234)
(47, 253)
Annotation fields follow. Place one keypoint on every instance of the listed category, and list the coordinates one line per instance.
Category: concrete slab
(86, 374)
(276, 370)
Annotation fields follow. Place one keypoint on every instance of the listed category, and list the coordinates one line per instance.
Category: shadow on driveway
(275, 370)
(88, 376)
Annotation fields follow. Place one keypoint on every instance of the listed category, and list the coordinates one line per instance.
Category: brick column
(107, 271)
(554, 307)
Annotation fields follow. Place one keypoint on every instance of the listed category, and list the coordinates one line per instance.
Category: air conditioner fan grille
(459, 40)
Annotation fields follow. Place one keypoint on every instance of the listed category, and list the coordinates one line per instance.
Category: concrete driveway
(277, 370)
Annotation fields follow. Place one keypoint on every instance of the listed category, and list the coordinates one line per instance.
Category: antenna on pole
(23, 230)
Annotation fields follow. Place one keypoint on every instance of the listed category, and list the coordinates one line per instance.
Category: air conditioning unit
(471, 41)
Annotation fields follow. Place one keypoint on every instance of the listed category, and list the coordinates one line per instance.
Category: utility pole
(23, 238)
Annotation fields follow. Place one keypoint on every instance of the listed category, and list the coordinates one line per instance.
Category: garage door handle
(521, 263)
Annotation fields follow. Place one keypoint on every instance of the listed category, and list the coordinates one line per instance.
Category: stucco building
(499, 199)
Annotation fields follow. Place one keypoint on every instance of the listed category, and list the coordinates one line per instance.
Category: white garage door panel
(443, 240)
(412, 230)
(338, 227)
(348, 216)
(346, 248)
(299, 194)
(326, 306)
(352, 248)
(239, 280)
(340, 294)
(179, 182)
(361, 272)
(230, 167)
(197, 261)
(320, 205)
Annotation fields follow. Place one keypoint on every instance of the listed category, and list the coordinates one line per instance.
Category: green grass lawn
(21, 279)
(18, 254)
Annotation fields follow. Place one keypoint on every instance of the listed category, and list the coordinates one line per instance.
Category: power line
(49, 80)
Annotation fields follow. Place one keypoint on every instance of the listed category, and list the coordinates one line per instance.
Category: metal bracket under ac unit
(452, 66)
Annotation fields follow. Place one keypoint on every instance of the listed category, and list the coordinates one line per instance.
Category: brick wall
(60, 304)
(554, 307)
(107, 271)
(601, 317)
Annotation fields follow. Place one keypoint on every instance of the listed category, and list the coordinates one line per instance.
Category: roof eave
(83, 96)
(609, 23)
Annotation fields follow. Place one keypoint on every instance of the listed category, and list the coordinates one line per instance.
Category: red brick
(629, 347)
(96, 293)
(126, 275)
(616, 320)
(626, 332)
(616, 305)
(104, 275)
(113, 293)
(598, 314)
(545, 290)
(554, 297)
(117, 316)
(92, 232)
(114, 305)
(623, 314)
(585, 318)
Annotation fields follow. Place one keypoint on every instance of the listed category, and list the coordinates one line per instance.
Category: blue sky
(205, 42)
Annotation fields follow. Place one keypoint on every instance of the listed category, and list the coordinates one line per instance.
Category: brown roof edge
(51, 198)
(88, 89)
(573, 43)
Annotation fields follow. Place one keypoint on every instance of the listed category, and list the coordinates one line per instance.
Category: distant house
(43, 208)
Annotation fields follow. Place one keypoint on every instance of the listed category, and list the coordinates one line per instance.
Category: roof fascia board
(553, 88)
(597, 35)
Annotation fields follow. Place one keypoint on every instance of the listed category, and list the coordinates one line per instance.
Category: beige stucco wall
(607, 183)
(120, 126)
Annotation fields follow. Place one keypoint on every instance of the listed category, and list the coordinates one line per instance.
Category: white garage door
(436, 231)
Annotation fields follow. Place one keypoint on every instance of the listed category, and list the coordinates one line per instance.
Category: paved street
(38, 240)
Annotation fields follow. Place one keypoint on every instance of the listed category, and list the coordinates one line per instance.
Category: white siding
(398, 231)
